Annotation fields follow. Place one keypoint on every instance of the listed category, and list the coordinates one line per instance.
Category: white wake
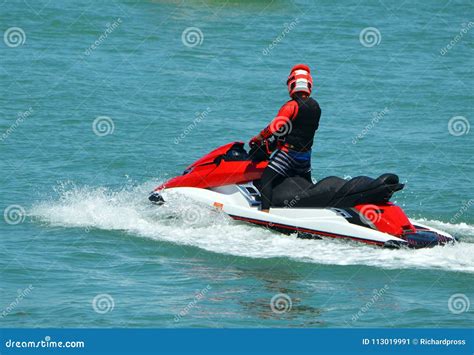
(187, 224)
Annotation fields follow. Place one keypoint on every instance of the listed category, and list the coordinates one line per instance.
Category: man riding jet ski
(294, 126)
(245, 185)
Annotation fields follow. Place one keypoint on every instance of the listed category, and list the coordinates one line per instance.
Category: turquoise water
(87, 249)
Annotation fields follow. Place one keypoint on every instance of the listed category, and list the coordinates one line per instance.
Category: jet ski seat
(334, 191)
(331, 191)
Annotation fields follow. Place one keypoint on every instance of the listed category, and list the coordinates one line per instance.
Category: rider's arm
(287, 113)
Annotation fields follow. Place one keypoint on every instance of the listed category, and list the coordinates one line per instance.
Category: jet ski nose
(156, 198)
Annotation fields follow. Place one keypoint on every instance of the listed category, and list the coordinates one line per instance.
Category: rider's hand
(256, 140)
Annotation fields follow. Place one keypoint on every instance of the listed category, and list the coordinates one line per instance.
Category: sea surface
(102, 101)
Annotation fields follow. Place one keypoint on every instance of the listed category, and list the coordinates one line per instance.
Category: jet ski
(358, 209)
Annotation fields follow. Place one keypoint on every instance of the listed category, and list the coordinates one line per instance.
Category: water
(89, 232)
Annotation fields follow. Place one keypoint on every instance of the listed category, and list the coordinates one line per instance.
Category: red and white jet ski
(358, 209)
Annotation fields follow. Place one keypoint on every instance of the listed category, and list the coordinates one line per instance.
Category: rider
(294, 127)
